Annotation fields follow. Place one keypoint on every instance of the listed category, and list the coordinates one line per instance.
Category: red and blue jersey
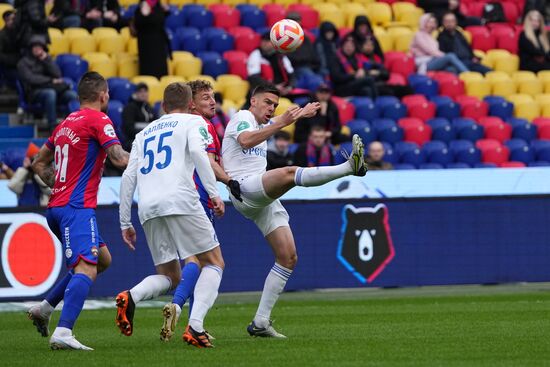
(79, 144)
(214, 147)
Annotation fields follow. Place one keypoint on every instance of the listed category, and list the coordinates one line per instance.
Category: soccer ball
(286, 35)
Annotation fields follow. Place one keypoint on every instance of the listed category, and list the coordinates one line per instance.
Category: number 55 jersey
(79, 144)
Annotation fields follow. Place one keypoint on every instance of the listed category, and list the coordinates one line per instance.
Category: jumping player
(78, 147)
(244, 155)
(175, 224)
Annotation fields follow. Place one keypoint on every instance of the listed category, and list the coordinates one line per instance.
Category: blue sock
(189, 275)
(75, 295)
(58, 291)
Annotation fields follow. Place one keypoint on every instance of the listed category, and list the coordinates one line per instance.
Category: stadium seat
(404, 65)
(193, 43)
(504, 109)
(482, 39)
(474, 110)
(253, 18)
(111, 44)
(175, 20)
(423, 111)
(14, 132)
(418, 134)
(363, 129)
(430, 165)
(507, 40)
(83, 44)
(512, 165)
(220, 43)
(199, 18)
(438, 122)
(515, 144)
(247, 42)
(382, 123)
(379, 13)
(490, 121)
(413, 99)
(409, 122)
(100, 32)
(402, 147)
(403, 166)
(345, 109)
(274, 13)
(226, 18)
(114, 111)
(120, 89)
(508, 65)
(391, 135)
(451, 88)
(525, 131)
(539, 164)
(132, 46)
(458, 165)
(501, 132)
(128, 68)
(73, 32)
(472, 133)
(427, 87)
(524, 154)
(447, 109)
(107, 68)
(485, 165)
(147, 79)
(188, 67)
(544, 132)
(367, 110)
(541, 121)
(232, 87)
(478, 88)
(444, 133)
(486, 144)
(394, 111)
(527, 110)
(59, 45)
(470, 156)
(496, 155)
(462, 122)
(237, 63)
(168, 79)
(456, 145)
(71, 66)
(415, 157)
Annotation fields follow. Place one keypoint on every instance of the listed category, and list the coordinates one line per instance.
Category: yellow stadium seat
(305, 2)
(181, 55)
(479, 54)
(156, 92)
(351, 11)
(321, 6)
(207, 2)
(285, 3)
(204, 77)
(544, 75)
(478, 88)
(497, 76)
(543, 99)
(523, 75)
(168, 79)
(386, 41)
(284, 104)
(125, 33)
(470, 75)
(527, 110)
(402, 42)
(226, 79)
(96, 56)
(364, 2)
(290, 130)
(492, 56)
(75, 32)
(107, 68)
(229, 106)
(178, 3)
(531, 87)
(132, 46)
(147, 79)
(545, 110)
(59, 45)
(400, 7)
(379, 13)
(126, 3)
(336, 16)
(54, 32)
(520, 98)
(232, 87)
(467, 35)
(504, 88)
(82, 44)
(122, 56)
(188, 67)
(4, 8)
(509, 65)
(411, 18)
(128, 67)
(112, 44)
(398, 30)
(101, 32)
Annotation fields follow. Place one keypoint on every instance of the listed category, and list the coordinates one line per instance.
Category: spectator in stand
(375, 157)
(265, 64)
(377, 71)
(9, 51)
(278, 154)
(542, 6)
(304, 60)
(153, 43)
(451, 40)
(6, 173)
(327, 117)
(534, 46)
(316, 152)
(426, 52)
(29, 187)
(220, 119)
(440, 7)
(41, 79)
(137, 114)
(325, 46)
(102, 13)
(362, 30)
(30, 20)
(347, 72)
(64, 14)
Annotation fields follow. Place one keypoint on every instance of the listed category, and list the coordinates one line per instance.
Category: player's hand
(309, 110)
(129, 236)
(290, 115)
(218, 206)
(235, 188)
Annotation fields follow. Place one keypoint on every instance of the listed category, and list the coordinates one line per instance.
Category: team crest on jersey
(109, 131)
(243, 125)
(206, 135)
(68, 253)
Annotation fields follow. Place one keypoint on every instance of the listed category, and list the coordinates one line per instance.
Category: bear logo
(365, 246)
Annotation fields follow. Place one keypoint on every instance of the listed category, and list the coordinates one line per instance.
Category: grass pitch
(433, 326)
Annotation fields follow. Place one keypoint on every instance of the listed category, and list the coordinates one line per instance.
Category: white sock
(178, 311)
(62, 331)
(317, 176)
(151, 287)
(46, 308)
(206, 292)
(273, 287)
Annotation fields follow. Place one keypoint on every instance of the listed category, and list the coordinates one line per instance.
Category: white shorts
(268, 214)
(174, 237)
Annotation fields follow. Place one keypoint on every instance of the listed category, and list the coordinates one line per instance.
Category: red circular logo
(31, 254)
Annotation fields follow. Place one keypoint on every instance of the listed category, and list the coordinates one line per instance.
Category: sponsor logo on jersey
(109, 131)
(260, 152)
(243, 125)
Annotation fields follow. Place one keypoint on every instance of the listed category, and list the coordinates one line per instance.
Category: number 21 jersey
(79, 144)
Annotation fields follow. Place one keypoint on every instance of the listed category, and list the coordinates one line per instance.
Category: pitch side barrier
(341, 243)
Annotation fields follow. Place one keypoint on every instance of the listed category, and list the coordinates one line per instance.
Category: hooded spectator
(326, 46)
(30, 20)
(305, 60)
(9, 51)
(363, 29)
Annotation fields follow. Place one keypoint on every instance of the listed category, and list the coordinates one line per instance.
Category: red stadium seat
(508, 41)
(310, 16)
(544, 132)
(490, 121)
(512, 165)
(413, 99)
(247, 42)
(482, 39)
(343, 31)
(396, 79)
(510, 11)
(236, 31)
(442, 76)
(423, 111)
(274, 13)
(219, 7)
(463, 99)
(226, 18)
(346, 109)
(476, 8)
(487, 144)
(497, 155)
(501, 132)
(541, 121)
(474, 110)
(407, 122)
(418, 134)
(452, 88)
(237, 63)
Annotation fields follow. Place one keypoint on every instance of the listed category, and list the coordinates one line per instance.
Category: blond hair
(530, 32)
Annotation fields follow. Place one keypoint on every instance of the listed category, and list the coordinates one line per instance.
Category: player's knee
(288, 261)
(174, 280)
(104, 261)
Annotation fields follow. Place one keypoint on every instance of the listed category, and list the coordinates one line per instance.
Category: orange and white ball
(286, 35)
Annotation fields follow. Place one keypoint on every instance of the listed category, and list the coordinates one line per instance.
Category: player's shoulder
(240, 116)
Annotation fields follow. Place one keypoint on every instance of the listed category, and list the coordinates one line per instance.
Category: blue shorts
(76, 228)
(209, 212)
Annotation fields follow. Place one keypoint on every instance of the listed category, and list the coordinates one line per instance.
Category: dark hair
(90, 85)
(316, 127)
(281, 135)
(448, 12)
(177, 96)
(6, 14)
(218, 97)
(266, 88)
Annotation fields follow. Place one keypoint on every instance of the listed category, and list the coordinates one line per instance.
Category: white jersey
(239, 162)
(163, 158)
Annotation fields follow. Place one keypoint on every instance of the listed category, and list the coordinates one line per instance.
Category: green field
(431, 326)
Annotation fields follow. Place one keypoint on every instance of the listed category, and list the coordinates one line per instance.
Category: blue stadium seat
(383, 101)
(524, 154)
(381, 123)
(448, 110)
(220, 42)
(469, 156)
(440, 99)
(403, 166)
(437, 152)
(120, 89)
(363, 129)
(128, 13)
(114, 111)
(458, 165)
(187, 9)
(245, 7)
(71, 66)
(538, 145)
(394, 111)
(358, 101)
(206, 33)
(175, 20)
(23, 104)
(472, 133)
(427, 87)
(539, 164)
(173, 39)
(485, 165)
(444, 133)
(417, 78)
(494, 99)
(199, 18)
(339, 158)
(390, 155)
(456, 145)
(391, 135)
(310, 81)
(293, 147)
(515, 121)
(524, 130)
(73, 106)
(157, 108)
(15, 132)
(433, 145)
(402, 147)
(192, 43)
(415, 157)
(19, 143)
(253, 18)
(504, 109)
(543, 153)
(212, 65)
(71, 83)
(461, 122)
(366, 109)
(431, 166)
(437, 122)
(515, 143)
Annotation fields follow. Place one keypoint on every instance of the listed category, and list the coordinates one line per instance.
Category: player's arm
(118, 156)
(127, 189)
(220, 174)
(43, 167)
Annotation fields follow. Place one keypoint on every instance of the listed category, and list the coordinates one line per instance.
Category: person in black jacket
(153, 44)
(30, 20)
(102, 13)
(64, 14)
(9, 52)
(363, 29)
(316, 151)
(42, 80)
(137, 114)
(452, 40)
(278, 155)
(534, 46)
(326, 45)
(305, 60)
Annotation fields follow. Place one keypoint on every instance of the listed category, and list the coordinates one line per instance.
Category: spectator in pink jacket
(426, 52)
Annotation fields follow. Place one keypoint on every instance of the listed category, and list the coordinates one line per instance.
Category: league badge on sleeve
(109, 131)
